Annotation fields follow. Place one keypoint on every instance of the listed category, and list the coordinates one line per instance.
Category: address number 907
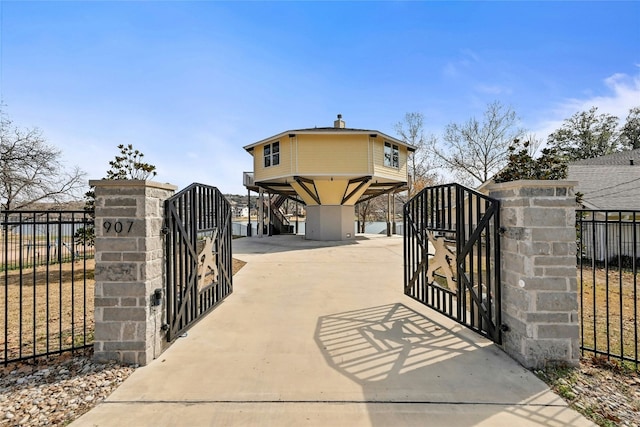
(117, 226)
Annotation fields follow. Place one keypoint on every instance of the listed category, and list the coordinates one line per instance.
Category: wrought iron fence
(46, 302)
(608, 261)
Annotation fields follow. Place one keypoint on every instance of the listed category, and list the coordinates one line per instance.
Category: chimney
(339, 124)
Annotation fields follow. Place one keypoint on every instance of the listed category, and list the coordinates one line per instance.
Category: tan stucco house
(330, 169)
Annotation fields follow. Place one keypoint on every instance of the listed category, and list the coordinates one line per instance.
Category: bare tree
(474, 151)
(422, 162)
(31, 171)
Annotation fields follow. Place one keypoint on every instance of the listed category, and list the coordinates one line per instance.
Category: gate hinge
(502, 230)
(504, 327)
(164, 230)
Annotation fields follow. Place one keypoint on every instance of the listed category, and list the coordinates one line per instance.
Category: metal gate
(198, 255)
(452, 255)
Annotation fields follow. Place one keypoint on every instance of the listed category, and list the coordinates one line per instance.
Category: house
(329, 170)
(608, 182)
(610, 187)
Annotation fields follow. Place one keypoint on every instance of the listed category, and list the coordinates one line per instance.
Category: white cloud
(624, 94)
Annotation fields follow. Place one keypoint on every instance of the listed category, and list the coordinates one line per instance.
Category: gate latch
(157, 297)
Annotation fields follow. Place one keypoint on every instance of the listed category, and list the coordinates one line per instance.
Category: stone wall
(129, 268)
(539, 285)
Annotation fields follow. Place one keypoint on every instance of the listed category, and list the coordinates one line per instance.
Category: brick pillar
(539, 285)
(129, 268)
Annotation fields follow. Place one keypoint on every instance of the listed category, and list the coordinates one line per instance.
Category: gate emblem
(207, 264)
(440, 258)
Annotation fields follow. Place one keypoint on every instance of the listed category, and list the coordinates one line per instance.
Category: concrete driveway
(321, 334)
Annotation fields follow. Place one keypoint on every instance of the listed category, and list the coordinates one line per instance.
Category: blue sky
(191, 83)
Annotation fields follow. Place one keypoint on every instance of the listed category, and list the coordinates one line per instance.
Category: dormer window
(391, 155)
(272, 154)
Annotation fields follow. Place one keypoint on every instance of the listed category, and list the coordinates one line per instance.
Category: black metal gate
(452, 255)
(198, 255)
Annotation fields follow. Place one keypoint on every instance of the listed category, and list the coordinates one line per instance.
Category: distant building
(608, 182)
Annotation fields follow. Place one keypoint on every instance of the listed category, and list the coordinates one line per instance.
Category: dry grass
(70, 299)
(609, 312)
(46, 309)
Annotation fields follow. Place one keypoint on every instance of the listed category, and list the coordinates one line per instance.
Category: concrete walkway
(320, 334)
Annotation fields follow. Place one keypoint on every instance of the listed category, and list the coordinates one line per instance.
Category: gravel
(58, 390)
(600, 390)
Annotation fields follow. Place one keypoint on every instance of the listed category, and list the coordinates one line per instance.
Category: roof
(620, 158)
(330, 130)
(608, 182)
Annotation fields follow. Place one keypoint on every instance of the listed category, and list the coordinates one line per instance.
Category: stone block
(564, 248)
(120, 201)
(124, 346)
(108, 331)
(114, 214)
(130, 331)
(132, 289)
(106, 302)
(129, 302)
(516, 297)
(105, 356)
(556, 301)
(548, 317)
(555, 261)
(534, 248)
(130, 357)
(556, 202)
(515, 203)
(514, 262)
(547, 217)
(536, 192)
(110, 256)
(502, 194)
(124, 314)
(117, 244)
(558, 271)
(116, 272)
(518, 233)
(559, 234)
(559, 331)
(134, 256)
(545, 283)
(540, 353)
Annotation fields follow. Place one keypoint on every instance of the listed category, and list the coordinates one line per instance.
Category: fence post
(538, 271)
(129, 268)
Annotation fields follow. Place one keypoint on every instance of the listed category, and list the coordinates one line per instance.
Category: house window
(272, 154)
(391, 155)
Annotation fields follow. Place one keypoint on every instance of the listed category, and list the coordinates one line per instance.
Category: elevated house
(329, 170)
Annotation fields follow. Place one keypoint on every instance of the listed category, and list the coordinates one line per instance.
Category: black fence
(452, 255)
(46, 302)
(608, 261)
(199, 262)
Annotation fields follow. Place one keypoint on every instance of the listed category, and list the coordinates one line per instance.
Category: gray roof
(619, 158)
(327, 130)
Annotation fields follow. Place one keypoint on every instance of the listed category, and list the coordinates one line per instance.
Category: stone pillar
(129, 268)
(539, 285)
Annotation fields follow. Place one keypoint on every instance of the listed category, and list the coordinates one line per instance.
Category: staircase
(279, 221)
